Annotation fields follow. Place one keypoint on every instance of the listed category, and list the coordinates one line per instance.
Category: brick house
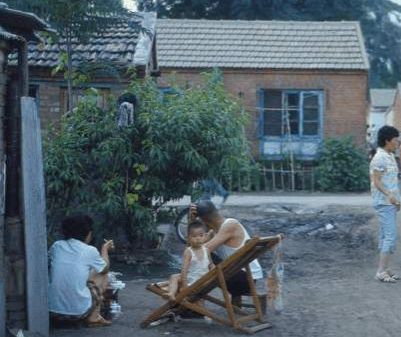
(300, 81)
(126, 43)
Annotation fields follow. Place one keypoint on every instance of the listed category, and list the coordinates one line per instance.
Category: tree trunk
(69, 72)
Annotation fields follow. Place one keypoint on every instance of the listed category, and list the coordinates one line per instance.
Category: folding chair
(236, 318)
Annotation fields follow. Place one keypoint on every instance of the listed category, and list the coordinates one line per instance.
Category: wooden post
(3, 56)
(282, 177)
(312, 179)
(273, 178)
(34, 206)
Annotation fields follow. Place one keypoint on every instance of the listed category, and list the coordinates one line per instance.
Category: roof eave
(15, 19)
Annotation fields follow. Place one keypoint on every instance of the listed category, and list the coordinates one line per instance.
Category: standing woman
(386, 198)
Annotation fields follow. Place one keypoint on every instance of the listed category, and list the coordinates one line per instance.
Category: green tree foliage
(342, 166)
(74, 21)
(115, 173)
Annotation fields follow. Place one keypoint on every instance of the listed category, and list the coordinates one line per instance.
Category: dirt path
(330, 259)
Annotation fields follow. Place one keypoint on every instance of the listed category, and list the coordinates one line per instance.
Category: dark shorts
(96, 301)
(238, 284)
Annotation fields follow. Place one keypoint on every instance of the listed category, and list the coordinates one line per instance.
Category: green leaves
(342, 166)
(115, 173)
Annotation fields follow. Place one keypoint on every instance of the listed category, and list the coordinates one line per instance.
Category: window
(79, 93)
(292, 112)
(168, 93)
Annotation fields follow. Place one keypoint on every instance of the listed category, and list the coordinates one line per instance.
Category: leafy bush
(342, 166)
(122, 175)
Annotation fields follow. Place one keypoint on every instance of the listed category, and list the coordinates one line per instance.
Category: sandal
(98, 323)
(384, 277)
(394, 276)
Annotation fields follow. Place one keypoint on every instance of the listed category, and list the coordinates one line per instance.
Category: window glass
(298, 106)
(273, 115)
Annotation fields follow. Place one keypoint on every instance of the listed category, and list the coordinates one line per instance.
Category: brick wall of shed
(346, 95)
(50, 95)
(49, 103)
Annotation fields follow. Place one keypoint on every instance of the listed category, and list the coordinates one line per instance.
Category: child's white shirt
(198, 267)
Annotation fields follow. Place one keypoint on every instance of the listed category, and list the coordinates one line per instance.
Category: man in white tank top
(230, 236)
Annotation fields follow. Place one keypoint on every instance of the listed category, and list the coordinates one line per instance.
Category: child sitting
(196, 260)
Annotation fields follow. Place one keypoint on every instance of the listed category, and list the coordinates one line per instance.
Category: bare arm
(185, 266)
(222, 236)
(377, 182)
(211, 264)
(105, 255)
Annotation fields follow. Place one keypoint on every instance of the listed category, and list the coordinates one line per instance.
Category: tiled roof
(382, 97)
(260, 44)
(121, 43)
(16, 25)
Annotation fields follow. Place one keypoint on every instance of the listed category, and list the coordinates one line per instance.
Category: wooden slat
(246, 319)
(226, 294)
(260, 327)
(254, 294)
(205, 312)
(223, 304)
(34, 210)
(158, 313)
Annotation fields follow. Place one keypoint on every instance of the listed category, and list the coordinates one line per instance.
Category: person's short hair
(195, 225)
(77, 226)
(128, 97)
(386, 133)
(205, 208)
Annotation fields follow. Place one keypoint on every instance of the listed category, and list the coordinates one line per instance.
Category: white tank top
(198, 267)
(225, 251)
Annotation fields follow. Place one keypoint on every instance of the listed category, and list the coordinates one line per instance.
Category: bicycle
(207, 189)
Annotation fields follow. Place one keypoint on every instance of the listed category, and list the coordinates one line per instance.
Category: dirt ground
(330, 258)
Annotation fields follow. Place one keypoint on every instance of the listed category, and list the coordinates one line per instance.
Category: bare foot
(98, 322)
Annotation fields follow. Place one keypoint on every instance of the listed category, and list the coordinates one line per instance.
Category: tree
(122, 175)
(75, 21)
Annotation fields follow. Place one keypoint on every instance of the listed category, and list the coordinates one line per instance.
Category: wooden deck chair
(217, 277)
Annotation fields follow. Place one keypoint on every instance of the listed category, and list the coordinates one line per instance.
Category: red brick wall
(51, 94)
(346, 95)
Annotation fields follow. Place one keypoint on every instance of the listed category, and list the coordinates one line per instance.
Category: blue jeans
(212, 187)
(387, 215)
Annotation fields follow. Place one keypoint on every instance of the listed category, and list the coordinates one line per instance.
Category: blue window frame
(298, 113)
(167, 92)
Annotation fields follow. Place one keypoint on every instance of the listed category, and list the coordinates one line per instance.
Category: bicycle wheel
(181, 225)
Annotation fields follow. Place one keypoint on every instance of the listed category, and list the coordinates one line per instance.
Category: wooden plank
(158, 313)
(255, 297)
(227, 298)
(34, 210)
(260, 327)
(247, 319)
(205, 312)
(2, 246)
(221, 303)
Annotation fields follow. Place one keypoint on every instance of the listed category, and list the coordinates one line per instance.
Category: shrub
(122, 175)
(342, 166)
